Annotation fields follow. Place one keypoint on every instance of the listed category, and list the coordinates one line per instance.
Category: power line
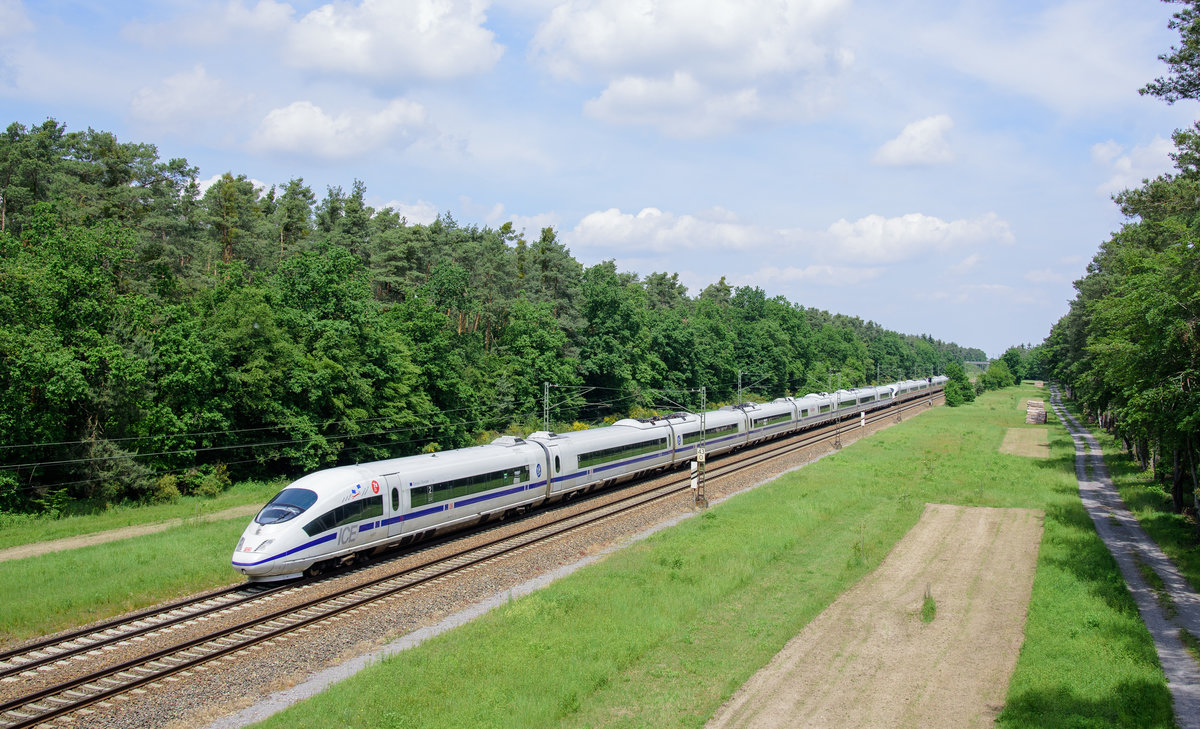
(212, 432)
(392, 444)
(264, 444)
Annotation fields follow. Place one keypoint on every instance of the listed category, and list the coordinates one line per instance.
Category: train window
(709, 433)
(557, 465)
(459, 487)
(348, 513)
(771, 420)
(605, 455)
(825, 408)
(395, 499)
(287, 505)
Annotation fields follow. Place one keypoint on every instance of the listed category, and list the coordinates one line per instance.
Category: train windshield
(287, 504)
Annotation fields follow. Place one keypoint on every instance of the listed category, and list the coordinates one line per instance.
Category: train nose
(249, 555)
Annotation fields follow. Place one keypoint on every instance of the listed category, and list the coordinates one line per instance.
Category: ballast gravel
(259, 681)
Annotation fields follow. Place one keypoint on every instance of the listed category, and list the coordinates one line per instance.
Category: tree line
(157, 339)
(1128, 347)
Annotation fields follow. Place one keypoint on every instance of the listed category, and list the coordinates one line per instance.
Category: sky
(941, 168)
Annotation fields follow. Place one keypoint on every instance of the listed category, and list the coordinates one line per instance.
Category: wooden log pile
(1035, 412)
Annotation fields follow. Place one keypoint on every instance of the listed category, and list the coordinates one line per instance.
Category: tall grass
(660, 634)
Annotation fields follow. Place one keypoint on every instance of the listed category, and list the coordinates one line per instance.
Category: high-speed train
(332, 515)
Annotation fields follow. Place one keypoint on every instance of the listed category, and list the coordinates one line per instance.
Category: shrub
(954, 395)
(166, 490)
(206, 480)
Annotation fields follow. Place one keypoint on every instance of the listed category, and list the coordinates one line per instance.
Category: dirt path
(86, 540)
(869, 660)
(1132, 548)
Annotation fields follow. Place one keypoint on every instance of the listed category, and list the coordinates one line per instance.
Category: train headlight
(264, 545)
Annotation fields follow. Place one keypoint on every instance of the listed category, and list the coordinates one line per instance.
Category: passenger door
(395, 504)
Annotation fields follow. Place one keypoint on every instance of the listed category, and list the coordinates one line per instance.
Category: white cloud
(422, 212)
(186, 97)
(869, 241)
(693, 67)
(1127, 170)
(530, 225)
(679, 106)
(382, 40)
(303, 128)
(259, 185)
(965, 265)
(921, 143)
(720, 38)
(13, 20)
(652, 230)
(213, 26)
(769, 276)
(876, 239)
(385, 39)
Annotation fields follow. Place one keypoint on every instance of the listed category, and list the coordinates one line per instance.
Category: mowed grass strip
(55, 591)
(17, 529)
(660, 634)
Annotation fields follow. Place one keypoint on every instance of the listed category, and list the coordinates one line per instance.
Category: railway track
(44, 701)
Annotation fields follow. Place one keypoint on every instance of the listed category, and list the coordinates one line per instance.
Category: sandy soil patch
(86, 540)
(870, 661)
(1029, 442)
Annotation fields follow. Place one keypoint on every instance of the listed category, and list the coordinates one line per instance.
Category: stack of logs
(1035, 412)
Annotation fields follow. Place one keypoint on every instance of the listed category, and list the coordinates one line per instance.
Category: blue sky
(940, 168)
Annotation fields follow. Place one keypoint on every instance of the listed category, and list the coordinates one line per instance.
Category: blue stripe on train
(302, 547)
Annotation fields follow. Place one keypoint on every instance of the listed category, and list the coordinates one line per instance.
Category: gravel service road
(1131, 546)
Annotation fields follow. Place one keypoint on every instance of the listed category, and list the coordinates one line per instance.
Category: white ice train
(332, 515)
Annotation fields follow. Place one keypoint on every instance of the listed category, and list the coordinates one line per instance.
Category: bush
(166, 490)
(998, 375)
(206, 481)
(954, 395)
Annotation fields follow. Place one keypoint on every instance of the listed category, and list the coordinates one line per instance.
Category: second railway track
(53, 679)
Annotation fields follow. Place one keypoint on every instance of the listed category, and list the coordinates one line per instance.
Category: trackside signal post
(699, 498)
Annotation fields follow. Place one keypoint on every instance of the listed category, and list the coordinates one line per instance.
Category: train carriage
(723, 430)
(767, 420)
(601, 456)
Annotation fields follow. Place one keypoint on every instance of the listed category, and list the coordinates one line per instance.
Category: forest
(159, 339)
(1128, 348)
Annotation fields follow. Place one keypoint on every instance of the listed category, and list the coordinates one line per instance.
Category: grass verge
(55, 591)
(1191, 643)
(660, 634)
(17, 529)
